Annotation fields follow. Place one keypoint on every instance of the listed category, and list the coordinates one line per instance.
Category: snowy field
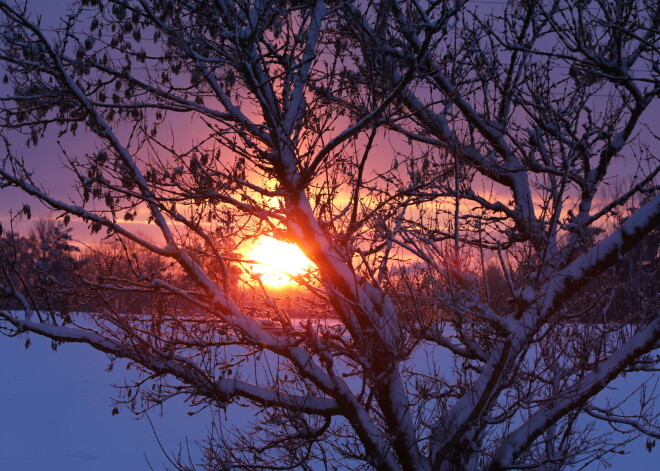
(56, 415)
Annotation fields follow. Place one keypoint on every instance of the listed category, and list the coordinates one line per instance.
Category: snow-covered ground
(56, 415)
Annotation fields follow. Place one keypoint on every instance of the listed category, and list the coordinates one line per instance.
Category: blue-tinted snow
(56, 415)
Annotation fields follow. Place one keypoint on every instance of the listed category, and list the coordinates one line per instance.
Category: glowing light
(278, 261)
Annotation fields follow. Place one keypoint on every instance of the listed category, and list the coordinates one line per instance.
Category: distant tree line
(58, 275)
(44, 266)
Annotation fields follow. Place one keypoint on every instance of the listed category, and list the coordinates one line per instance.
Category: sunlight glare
(277, 260)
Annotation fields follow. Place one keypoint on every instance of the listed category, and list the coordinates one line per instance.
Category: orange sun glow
(277, 261)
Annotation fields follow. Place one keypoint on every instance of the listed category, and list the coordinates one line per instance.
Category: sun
(277, 261)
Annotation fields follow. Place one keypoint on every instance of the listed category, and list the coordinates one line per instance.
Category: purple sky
(46, 160)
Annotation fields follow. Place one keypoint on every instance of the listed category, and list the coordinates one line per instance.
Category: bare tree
(405, 147)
